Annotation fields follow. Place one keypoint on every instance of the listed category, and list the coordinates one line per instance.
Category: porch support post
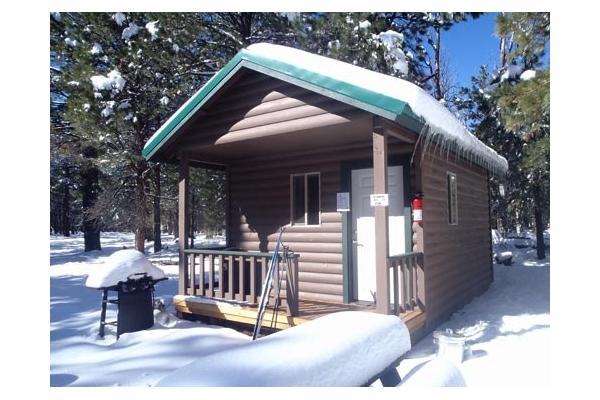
(380, 186)
(184, 182)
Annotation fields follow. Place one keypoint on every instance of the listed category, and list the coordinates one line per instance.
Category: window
(452, 199)
(306, 199)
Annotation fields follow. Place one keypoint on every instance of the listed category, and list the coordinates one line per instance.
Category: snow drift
(119, 266)
(341, 349)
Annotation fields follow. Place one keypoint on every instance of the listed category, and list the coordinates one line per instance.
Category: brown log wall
(260, 204)
(457, 257)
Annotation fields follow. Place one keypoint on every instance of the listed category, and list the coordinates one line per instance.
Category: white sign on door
(380, 200)
(343, 201)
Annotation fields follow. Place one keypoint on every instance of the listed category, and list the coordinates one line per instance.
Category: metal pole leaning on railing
(266, 289)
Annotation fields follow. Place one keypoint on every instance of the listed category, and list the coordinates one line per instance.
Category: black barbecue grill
(135, 301)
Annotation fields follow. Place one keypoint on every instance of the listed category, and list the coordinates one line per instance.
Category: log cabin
(335, 155)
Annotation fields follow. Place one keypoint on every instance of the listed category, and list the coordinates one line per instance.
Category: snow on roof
(440, 120)
(341, 349)
(389, 97)
(119, 266)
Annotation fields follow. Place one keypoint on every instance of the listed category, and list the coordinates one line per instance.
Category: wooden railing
(404, 281)
(239, 276)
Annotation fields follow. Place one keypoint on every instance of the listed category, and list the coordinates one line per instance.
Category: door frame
(346, 186)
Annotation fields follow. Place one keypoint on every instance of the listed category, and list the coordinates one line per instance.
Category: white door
(363, 227)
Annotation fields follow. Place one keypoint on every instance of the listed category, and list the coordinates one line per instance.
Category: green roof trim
(370, 101)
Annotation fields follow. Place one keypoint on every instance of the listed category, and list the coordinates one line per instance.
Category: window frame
(305, 175)
(452, 201)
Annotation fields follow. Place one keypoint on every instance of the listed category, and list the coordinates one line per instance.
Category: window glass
(452, 199)
(298, 203)
(313, 197)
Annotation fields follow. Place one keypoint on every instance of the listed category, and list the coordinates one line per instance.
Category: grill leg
(103, 312)
(390, 377)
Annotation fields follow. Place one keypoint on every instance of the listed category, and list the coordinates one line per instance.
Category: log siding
(457, 256)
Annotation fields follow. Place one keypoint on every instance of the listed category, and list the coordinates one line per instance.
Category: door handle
(356, 243)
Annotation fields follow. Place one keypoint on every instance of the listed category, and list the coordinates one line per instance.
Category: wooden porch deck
(307, 310)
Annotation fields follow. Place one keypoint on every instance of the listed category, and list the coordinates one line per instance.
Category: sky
(471, 44)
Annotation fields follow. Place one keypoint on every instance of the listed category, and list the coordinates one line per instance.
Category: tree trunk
(65, 224)
(438, 75)
(89, 193)
(539, 228)
(157, 242)
(140, 229)
(175, 224)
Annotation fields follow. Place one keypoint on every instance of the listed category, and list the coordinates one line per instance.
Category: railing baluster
(406, 284)
(241, 284)
(252, 297)
(415, 298)
(211, 275)
(192, 266)
(230, 287)
(409, 280)
(263, 271)
(221, 277)
(201, 273)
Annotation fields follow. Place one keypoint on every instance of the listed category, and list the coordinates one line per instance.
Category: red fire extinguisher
(417, 207)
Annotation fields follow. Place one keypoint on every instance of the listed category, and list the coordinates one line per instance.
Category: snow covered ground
(513, 349)
(78, 357)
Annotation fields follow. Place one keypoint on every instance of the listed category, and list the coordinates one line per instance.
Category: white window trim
(305, 175)
(455, 208)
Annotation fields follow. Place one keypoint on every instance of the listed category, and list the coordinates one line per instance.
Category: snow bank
(441, 124)
(341, 349)
(436, 373)
(120, 265)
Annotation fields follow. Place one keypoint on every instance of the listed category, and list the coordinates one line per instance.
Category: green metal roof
(379, 104)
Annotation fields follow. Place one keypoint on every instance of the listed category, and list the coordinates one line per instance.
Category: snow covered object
(436, 373)
(341, 349)
(121, 265)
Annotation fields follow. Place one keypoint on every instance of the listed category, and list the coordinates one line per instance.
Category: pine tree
(122, 73)
(524, 104)
(480, 110)
(405, 45)
(120, 76)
